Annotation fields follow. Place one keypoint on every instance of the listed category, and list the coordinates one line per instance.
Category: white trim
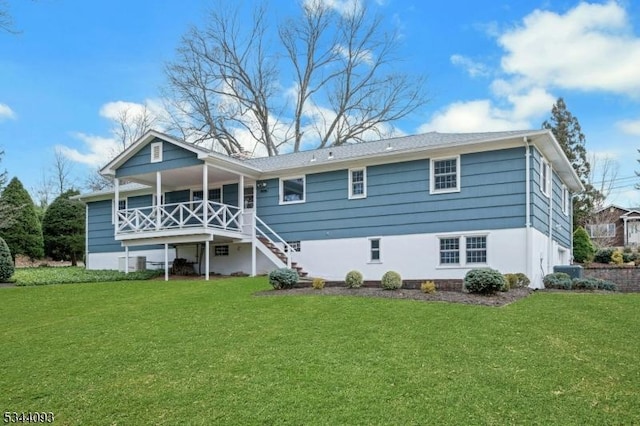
(208, 190)
(353, 196)
(281, 192)
(156, 152)
(432, 183)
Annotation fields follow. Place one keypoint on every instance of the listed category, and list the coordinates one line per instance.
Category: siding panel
(173, 157)
(398, 200)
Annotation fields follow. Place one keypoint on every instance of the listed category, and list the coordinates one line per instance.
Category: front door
(633, 233)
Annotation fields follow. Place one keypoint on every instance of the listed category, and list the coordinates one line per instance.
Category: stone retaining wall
(627, 279)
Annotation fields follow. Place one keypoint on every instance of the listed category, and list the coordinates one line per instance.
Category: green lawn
(196, 352)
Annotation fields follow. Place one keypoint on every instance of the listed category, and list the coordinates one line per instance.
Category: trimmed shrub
(583, 249)
(558, 280)
(428, 287)
(6, 263)
(283, 278)
(391, 280)
(354, 279)
(603, 255)
(592, 284)
(484, 281)
(584, 284)
(606, 285)
(318, 283)
(628, 255)
(616, 257)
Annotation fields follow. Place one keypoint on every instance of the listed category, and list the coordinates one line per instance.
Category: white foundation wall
(239, 260)
(110, 260)
(545, 256)
(413, 256)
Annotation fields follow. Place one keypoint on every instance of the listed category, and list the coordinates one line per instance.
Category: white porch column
(206, 260)
(116, 201)
(158, 199)
(166, 262)
(626, 235)
(253, 242)
(126, 260)
(241, 193)
(205, 194)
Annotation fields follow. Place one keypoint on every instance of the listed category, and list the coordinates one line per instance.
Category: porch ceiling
(185, 177)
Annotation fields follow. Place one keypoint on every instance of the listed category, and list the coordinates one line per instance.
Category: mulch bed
(498, 299)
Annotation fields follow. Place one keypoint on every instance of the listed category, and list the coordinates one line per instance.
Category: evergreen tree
(63, 228)
(583, 249)
(6, 263)
(567, 131)
(23, 232)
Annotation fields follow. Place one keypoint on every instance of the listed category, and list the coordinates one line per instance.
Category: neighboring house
(615, 226)
(430, 206)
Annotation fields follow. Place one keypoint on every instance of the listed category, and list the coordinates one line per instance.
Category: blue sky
(491, 65)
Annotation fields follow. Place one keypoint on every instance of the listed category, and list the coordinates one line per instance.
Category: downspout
(527, 155)
(550, 244)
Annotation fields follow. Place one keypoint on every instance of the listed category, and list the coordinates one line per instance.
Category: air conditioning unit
(136, 263)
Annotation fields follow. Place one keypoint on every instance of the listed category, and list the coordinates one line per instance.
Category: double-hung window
(292, 190)
(375, 250)
(476, 249)
(545, 178)
(445, 175)
(450, 251)
(357, 183)
(565, 200)
(214, 194)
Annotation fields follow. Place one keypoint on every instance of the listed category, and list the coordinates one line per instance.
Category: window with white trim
(156, 152)
(292, 190)
(450, 251)
(375, 250)
(545, 178)
(565, 200)
(214, 194)
(357, 183)
(463, 250)
(295, 246)
(248, 197)
(221, 250)
(154, 201)
(476, 249)
(122, 204)
(602, 230)
(445, 175)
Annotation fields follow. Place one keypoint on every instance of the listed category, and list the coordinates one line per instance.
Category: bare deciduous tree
(130, 125)
(6, 20)
(228, 82)
(602, 177)
(62, 169)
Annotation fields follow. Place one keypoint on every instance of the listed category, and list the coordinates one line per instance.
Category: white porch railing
(263, 230)
(190, 214)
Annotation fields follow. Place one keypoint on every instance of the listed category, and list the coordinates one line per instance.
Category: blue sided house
(430, 206)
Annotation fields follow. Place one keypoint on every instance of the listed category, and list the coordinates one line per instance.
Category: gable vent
(156, 152)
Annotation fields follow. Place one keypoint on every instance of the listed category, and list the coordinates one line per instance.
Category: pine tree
(6, 263)
(583, 250)
(567, 131)
(22, 232)
(63, 228)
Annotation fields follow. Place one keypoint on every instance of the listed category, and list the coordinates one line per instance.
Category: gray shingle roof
(420, 142)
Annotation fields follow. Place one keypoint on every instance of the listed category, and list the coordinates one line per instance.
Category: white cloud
(483, 115)
(99, 150)
(630, 127)
(153, 109)
(6, 113)
(473, 68)
(343, 7)
(591, 47)
(472, 116)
